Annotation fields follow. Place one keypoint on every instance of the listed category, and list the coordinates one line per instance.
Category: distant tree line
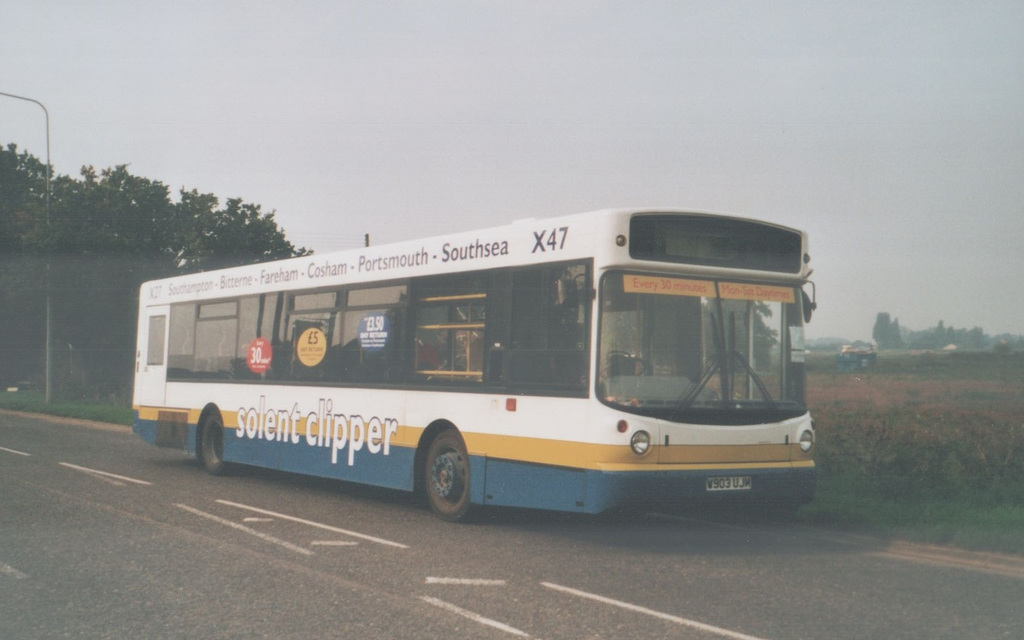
(888, 334)
(98, 239)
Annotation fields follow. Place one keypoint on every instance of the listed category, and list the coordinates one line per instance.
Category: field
(924, 446)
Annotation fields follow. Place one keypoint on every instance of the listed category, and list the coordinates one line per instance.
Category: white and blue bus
(616, 358)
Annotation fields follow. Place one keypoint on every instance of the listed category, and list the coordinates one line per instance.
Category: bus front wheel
(211, 444)
(447, 477)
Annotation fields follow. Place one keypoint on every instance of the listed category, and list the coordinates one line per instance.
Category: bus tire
(211, 444)
(446, 477)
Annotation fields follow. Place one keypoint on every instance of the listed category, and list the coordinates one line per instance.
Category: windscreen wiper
(724, 356)
(744, 363)
(714, 364)
(753, 376)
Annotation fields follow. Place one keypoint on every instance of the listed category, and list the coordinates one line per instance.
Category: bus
(596, 361)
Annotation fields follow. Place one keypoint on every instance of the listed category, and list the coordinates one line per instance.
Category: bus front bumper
(510, 483)
(789, 485)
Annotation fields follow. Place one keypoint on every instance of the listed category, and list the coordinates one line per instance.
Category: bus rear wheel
(211, 444)
(447, 477)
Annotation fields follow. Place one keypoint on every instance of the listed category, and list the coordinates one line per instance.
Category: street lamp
(49, 310)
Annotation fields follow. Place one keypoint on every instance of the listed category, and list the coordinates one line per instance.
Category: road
(104, 536)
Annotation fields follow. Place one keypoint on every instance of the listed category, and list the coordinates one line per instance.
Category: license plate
(730, 483)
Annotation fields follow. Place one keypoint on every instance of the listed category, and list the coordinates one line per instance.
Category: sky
(892, 132)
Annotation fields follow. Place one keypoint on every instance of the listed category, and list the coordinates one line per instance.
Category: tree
(107, 233)
(22, 198)
(22, 301)
(975, 339)
(886, 332)
(240, 233)
(881, 330)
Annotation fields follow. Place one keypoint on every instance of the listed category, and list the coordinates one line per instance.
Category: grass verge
(976, 520)
(35, 402)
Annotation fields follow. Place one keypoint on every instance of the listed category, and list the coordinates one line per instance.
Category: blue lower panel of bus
(517, 484)
(394, 470)
(588, 491)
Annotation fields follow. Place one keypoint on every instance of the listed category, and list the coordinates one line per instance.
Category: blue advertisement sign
(374, 330)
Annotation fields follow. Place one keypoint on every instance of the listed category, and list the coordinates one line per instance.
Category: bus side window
(310, 334)
(549, 327)
(216, 339)
(371, 343)
(451, 318)
(181, 342)
(155, 340)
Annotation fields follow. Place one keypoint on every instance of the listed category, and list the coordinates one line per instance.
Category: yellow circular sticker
(311, 347)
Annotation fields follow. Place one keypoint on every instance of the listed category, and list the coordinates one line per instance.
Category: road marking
(242, 527)
(20, 453)
(475, 617)
(116, 483)
(473, 582)
(333, 543)
(651, 612)
(103, 474)
(251, 519)
(318, 525)
(11, 571)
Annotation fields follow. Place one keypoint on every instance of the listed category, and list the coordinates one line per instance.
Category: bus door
(151, 357)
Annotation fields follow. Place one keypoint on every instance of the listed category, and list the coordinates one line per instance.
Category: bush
(911, 452)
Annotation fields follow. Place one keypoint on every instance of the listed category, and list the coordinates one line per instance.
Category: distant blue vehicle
(854, 359)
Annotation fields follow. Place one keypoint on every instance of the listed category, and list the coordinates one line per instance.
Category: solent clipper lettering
(321, 428)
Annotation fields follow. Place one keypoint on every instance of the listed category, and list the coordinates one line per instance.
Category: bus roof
(529, 241)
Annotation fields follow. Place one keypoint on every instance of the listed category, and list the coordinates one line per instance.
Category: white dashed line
(651, 612)
(103, 474)
(318, 525)
(475, 617)
(243, 528)
(472, 582)
(7, 570)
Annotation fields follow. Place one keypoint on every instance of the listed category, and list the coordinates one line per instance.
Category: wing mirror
(810, 304)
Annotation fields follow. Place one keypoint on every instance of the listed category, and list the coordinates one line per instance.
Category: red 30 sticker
(259, 356)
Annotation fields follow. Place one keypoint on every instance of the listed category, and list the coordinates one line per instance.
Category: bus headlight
(640, 442)
(806, 440)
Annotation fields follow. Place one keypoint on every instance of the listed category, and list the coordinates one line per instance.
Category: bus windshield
(701, 350)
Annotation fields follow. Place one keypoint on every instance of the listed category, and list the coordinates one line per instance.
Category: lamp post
(49, 310)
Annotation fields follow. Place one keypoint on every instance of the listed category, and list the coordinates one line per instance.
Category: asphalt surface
(104, 536)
